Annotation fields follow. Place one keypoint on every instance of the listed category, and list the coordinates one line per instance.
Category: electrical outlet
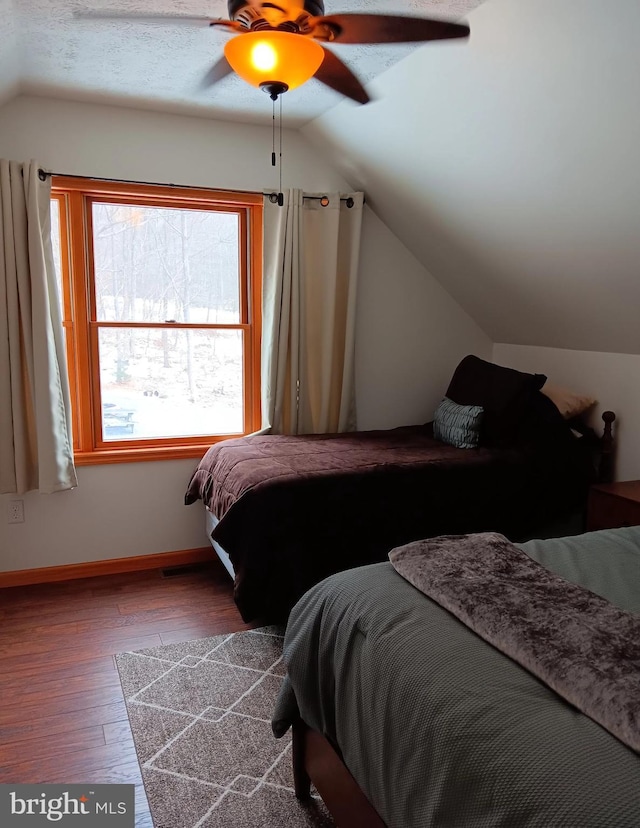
(15, 511)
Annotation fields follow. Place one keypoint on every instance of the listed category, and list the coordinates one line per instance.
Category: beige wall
(613, 379)
(410, 333)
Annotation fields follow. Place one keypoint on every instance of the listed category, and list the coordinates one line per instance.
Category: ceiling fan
(278, 44)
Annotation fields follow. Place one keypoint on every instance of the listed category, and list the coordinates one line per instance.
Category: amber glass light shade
(274, 57)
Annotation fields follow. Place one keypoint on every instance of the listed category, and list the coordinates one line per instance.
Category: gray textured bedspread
(576, 642)
(441, 729)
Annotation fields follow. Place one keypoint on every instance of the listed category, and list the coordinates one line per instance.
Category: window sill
(141, 455)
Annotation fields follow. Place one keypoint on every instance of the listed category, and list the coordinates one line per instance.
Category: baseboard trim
(112, 566)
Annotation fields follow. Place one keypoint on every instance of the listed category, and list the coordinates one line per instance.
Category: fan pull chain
(280, 193)
(274, 96)
(273, 133)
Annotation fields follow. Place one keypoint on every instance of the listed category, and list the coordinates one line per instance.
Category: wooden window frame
(75, 197)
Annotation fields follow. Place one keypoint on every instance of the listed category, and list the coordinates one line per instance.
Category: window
(160, 288)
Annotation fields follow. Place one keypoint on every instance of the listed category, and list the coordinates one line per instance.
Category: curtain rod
(323, 199)
(42, 175)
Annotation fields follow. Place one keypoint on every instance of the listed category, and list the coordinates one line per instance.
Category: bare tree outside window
(158, 265)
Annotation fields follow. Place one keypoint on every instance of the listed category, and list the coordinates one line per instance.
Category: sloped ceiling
(511, 169)
(160, 65)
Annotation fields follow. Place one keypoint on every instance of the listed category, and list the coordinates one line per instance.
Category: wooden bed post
(315, 760)
(605, 471)
(301, 780)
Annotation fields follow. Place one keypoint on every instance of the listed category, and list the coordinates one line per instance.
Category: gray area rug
(200, 714)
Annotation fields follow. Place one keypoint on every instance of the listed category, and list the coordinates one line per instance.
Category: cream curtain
(35, 422)
(311, 257)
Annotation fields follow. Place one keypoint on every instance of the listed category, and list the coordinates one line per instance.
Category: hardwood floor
(62, 714)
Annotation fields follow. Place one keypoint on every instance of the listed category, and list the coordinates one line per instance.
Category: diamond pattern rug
(200, 714)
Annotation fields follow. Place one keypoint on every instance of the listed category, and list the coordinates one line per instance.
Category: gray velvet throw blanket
(580, 645)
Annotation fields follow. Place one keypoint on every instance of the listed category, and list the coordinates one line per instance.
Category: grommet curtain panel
(310, 268)
(36, 448)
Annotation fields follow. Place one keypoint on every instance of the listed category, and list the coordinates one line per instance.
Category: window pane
(55, 244)
(158, 263)
(170, 383)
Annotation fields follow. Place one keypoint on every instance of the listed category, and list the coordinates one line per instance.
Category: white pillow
(568, 403)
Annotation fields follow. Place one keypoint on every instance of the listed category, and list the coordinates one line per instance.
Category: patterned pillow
(458, 425)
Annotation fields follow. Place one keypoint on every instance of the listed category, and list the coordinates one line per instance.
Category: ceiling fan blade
(385, 28)
(334, 73)
(228, 24)
(218, 71)
(141, 17)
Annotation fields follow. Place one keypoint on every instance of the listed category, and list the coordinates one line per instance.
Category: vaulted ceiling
(511, 169)
(508, 165)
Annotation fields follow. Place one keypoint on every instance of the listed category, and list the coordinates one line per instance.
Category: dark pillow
(503, 393)
(542, 424)
(457, 425)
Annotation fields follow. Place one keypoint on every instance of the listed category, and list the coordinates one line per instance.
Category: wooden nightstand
(612, 505)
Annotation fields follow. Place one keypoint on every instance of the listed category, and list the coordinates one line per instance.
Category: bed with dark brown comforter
(290, 510)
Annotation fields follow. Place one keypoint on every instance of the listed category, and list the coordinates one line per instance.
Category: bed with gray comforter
(438, 727)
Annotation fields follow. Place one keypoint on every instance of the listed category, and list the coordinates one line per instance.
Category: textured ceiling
(9, 54)
(159, 66)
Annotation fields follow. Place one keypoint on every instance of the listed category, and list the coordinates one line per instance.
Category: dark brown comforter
(294, 509)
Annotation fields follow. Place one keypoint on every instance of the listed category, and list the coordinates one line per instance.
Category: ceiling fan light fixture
(274, 57)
